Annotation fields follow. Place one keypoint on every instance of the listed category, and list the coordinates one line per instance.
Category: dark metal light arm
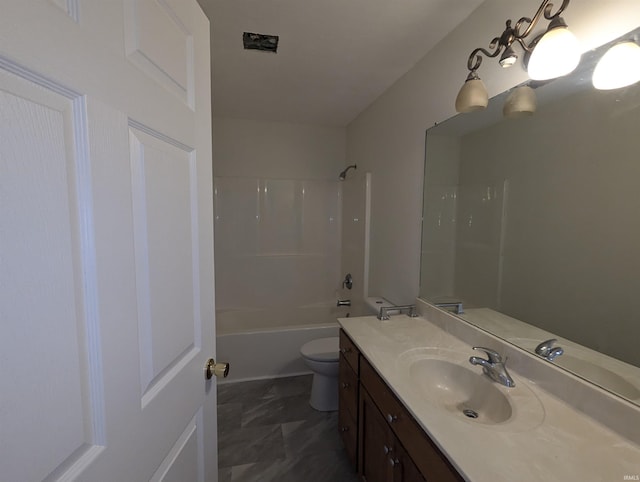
(525, 47)
(512, 34)
(475, 59)
(545, 9)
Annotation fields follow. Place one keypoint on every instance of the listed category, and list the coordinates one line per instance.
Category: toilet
(321, 356)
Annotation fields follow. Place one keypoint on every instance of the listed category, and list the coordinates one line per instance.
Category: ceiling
(335, 57)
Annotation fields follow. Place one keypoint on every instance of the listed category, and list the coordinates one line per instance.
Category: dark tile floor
(267, 431)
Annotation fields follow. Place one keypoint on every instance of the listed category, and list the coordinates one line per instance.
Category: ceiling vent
(258, 41)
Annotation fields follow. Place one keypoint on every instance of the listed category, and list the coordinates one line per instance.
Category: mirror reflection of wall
(538, 218)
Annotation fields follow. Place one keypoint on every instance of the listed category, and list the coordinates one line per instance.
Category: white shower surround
(277, 241)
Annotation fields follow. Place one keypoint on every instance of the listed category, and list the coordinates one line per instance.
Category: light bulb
(509, 58)
(618, 67)
(557, 54)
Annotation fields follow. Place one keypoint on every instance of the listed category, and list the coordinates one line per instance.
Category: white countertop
(560, 444)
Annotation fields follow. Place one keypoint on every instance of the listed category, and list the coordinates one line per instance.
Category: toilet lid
(322, 349)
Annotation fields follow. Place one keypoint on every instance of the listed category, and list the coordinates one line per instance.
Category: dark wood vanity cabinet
(382, 456)
(389, 445)
(348, 390)
(419, 458)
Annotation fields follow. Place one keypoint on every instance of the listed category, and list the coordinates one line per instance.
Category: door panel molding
(166, 58)
(70, 7)
(52, 136)
(188, 451)
(156, 158)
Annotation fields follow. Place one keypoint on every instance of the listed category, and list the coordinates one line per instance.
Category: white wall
(277, 213)
(387, 139)
(277, 150)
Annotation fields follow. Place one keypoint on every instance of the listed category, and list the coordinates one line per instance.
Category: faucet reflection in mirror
(554, 54)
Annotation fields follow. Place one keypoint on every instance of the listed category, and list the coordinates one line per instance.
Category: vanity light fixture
(554, 54)
(521, 102)
(473, 95)
(618, 67)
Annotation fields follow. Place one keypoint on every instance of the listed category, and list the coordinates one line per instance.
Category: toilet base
(324, 393)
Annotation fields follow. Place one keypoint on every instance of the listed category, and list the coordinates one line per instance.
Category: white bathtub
(266, 343)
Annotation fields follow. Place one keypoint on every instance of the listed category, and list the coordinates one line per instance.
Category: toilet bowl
(321, 356)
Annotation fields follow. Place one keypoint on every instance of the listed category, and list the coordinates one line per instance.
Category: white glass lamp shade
(521, 102)
(618, 67)
(472, 96)
(557, 54)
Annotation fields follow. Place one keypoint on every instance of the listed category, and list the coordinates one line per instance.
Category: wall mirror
(534, 224)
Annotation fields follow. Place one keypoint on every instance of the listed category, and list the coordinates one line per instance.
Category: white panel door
(106, 242)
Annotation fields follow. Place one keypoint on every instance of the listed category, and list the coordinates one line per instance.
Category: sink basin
(445, 379)
(458, 389)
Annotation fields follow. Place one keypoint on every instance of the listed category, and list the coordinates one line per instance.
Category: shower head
(343, 174)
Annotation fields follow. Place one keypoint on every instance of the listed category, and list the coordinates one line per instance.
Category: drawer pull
(391, 418)
(344, 350)
(394, 462)
(387, 450)
(344, 429)
(345, 385)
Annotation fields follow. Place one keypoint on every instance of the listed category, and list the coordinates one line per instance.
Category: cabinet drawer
(349, 434)
(349, 351)
(348, 388)
(427, 457)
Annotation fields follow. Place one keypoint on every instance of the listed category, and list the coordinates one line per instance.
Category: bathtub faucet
(348, 281)
(408, 309)
(344, 303)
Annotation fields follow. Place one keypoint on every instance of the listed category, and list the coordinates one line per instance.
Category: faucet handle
(493, 356)
(544, 348)
(555, 353)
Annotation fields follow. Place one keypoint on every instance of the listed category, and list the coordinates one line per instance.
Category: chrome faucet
(493, 367)
(456, 305)
(548, 351)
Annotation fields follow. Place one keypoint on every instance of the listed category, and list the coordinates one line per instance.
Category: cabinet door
(376, 443)
(405, 470)
(348, 411)
(423, 451)
(348, 398)
(348, 388)
(349, 434)
(349, 351)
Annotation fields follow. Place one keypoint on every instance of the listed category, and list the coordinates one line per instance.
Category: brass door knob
(220, 370)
